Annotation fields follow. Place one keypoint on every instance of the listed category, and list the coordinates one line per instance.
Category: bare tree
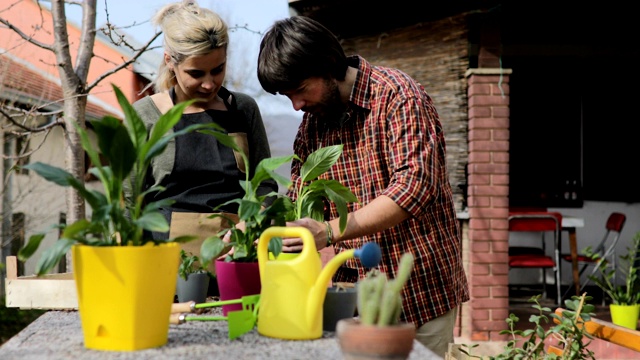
(73, 80)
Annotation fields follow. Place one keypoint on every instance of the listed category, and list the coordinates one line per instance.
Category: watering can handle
(308, 243)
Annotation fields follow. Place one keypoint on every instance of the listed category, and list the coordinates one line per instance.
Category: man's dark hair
(295, 49)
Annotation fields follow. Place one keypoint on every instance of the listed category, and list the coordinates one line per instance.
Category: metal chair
(531, 257)
(606, 250)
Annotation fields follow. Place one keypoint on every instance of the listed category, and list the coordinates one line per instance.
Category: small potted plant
(378, 333)
(340, 302)
(625, 298)
(256, 214)
(193, 279)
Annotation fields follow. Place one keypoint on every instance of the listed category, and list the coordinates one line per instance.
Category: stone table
(58, 335)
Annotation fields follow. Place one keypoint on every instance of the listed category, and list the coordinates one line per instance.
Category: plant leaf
(320, 161)
(266, 169)
(116, 145)
(153, 221)
(51, 256)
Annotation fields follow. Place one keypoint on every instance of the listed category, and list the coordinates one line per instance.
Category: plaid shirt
(394, 146)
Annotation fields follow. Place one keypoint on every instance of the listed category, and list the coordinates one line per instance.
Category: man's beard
(330, 109)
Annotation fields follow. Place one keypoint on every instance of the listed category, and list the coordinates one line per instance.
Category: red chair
(535, 257)
(606, 249)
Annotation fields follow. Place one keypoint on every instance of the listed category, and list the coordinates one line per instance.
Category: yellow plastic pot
(125, 294)
(625, 315)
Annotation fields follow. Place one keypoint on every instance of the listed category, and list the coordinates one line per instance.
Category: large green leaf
(163, 126)
(135, 125)
(213, 247)
(31, 247)
(266, 169)
(339, 190)
(115, 144)
(248, 209)
(51, 257)
(320, 161)
(153, 221)
(58, 176)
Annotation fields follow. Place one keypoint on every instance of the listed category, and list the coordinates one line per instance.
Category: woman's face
(200, 77)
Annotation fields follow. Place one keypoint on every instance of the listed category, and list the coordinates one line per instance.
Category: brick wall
(487, 241)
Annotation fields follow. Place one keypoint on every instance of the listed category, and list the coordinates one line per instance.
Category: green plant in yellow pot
(625, 297)
(112, 261)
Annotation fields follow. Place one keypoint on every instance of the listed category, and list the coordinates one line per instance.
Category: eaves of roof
(27, 86)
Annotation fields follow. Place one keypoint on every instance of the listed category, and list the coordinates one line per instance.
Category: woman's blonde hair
(188, 30)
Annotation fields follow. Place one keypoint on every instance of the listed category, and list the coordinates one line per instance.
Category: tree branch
(28, 38)
(135, 56)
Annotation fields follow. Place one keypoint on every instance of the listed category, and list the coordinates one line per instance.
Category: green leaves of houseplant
(626, 294)
(128, 153)
(312, 191)
(190, 264)
(254, 211)
(257, 215)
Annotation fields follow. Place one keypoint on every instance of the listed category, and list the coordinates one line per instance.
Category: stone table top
(58, 335)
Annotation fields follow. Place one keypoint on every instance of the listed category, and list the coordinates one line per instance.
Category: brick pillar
(488, 203)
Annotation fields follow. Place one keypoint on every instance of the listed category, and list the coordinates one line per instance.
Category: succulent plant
(380, 299)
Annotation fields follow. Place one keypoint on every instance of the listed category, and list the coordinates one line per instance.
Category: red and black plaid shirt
(394, 145)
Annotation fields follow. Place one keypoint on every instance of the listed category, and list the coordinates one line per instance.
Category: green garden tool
(240, 322)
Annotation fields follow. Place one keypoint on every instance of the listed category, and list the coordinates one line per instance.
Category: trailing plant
(626, 294)
(379, 299)
(190, 264)
(128, 152)
(569, 333)
(256, 214)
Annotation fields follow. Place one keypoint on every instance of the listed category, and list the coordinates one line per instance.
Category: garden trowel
(240, 322)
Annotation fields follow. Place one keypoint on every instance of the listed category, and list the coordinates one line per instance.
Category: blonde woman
(197, 172)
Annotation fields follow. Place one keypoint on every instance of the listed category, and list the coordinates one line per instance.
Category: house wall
(37, 22)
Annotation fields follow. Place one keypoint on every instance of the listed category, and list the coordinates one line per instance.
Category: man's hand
(227, 239)
(317, 229)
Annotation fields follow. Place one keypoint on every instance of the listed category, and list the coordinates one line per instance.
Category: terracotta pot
(364, 342)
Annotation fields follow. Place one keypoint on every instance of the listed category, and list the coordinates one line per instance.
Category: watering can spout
(369, 255)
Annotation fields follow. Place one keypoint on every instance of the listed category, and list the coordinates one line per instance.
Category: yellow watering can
(293, 290)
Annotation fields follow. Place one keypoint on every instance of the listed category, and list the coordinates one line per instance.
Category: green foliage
(190, 264)
(379, 299)
(312, 191)
(626, 294)
(128, 153)
(256, 217)
(251, 210)
(568, 332)
(13, 320)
